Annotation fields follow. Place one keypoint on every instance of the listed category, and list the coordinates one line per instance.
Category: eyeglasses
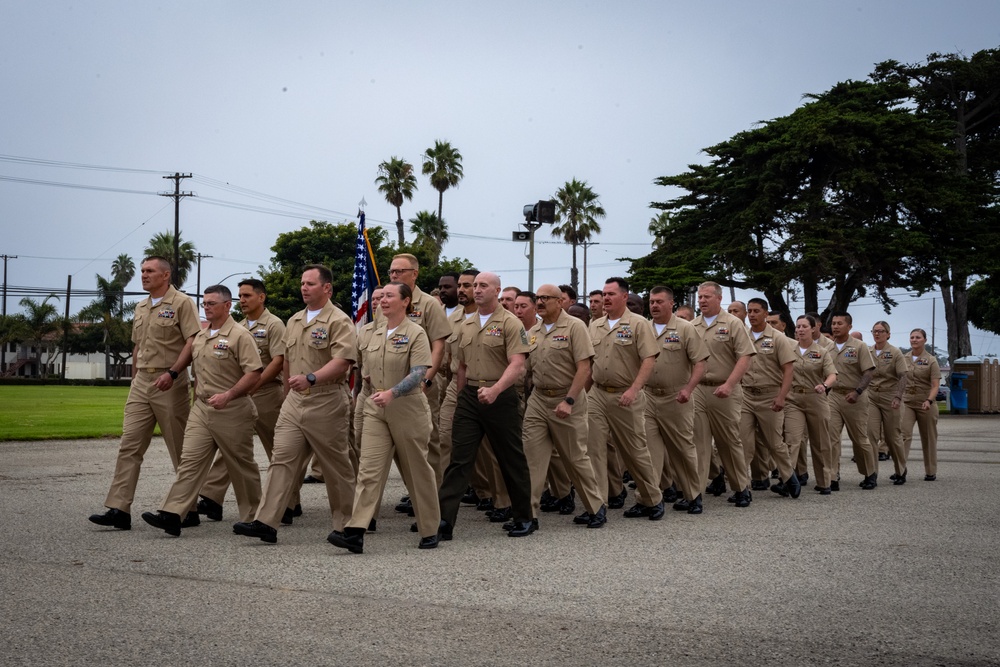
(546, 297)
(879, 331)
(393, 272)
(212, 304)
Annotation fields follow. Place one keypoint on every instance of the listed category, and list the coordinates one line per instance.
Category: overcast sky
(301, 102)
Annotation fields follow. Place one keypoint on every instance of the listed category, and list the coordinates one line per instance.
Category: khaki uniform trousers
(719, 418)
(557, 478)
(445, 421)
(438, 453)
(808, 413)
(313, 423)
(762, 433)
(627, 427)
(883, 422)
(359, 425)
(670, 438)
(926, 421)
(855, 418)
(267, 401)
(402, 429)
(146, 407)
(230, 432)
(545, 433)
(615, 469)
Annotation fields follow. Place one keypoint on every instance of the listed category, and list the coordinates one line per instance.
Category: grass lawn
(50, 412)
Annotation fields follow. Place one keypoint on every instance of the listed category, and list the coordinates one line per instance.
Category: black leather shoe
(210, 508)
(835, 485)
(599, 518)
(548, 502)
(256, 529)
(733, 498)
(352, 539)
(582, 519)
(297, 510)
(883, 457)
(523, 528)
(484, 505)
(793, 486)
(429, 542)
(567, 505)
(372, 525)
(803, 478)
(168, 522)
(312, 480)
(113, 518)
(636, 511)
(405, 507)
(823, 490)
(775, 474)
(670, 495)
(780, 489)
(927, 478)
(695, 507)
(870, 482)
(760, 485)
(287, 518)
(191, 520)
(618, 502)
(718, 485)
(656, 512)
(682, 505)
(744, 498)
(445, 531)
(470, 498)
(899, 480)
(500, 514)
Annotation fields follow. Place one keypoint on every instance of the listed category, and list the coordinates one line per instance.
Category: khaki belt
(803, 390)
(552, 393)
(480, 383)
(662, 391)
(322, 389)
(161, 371)
(610, 390)
(757, 391)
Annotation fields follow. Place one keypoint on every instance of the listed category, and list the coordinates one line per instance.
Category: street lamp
(197, 298)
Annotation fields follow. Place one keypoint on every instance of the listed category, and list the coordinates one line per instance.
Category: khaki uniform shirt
(554, 353)
(889, 367)
(924, 373)
(269, 334)
(825, 343)
(774, 350)
(485, 349)
(159, 332)
(388, 359)
(310, 346)
(727, 340)
(427, 312)
(851, 361)
(811, 368)
(620, 351)
(365, 337)
(451, 345)
(680, 349)
(221, 359)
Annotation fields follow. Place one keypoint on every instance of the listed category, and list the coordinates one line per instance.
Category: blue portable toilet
(959, 394)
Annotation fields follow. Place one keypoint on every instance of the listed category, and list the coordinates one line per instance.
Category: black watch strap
(311, 378)
(173, 374)
(570, 400)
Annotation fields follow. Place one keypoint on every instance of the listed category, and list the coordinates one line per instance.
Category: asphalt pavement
(904, 575)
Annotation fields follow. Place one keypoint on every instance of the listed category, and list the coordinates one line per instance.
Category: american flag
(365, 276)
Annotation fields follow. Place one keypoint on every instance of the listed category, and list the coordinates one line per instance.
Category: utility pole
(177, 195)
(197, 297)
(65, 340)
(3, 348)
(585, 245)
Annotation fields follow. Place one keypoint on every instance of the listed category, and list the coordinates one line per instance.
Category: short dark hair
(842, 313)
(569, 290)
(661, 289)
(759, 301)
(809, 318)
(596, 292)
(450, 274)
(621, 282)
(325, 274)
(221, 290)
(470, 272)
(404, 293)
(254, 284)
(530, 295)
(164, 262)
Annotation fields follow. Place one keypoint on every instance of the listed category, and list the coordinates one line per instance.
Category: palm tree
(122, 272)
(163, 245)
(42, 319)
(110, 311)
(578, 207)
(397, 182)
(431, 231)
(658, 225)
(444, 166)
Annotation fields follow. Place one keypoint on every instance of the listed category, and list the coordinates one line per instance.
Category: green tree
(431, 232)
(397, 182)
(577, 211)
(13, 329)
(43, 322)
(443, 164)
(833, 195)
(961, 95)
(163, 245)
(984, 304)
(108, 319)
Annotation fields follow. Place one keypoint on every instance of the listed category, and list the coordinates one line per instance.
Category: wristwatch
(311, 378)
(427, 382)
(570, 400)
(858, 390)
(172, 373)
